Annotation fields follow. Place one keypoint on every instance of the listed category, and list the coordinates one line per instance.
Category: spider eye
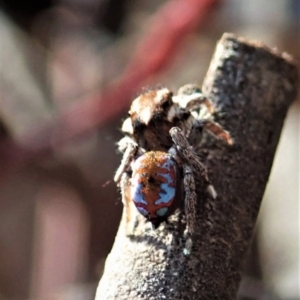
(167, 103)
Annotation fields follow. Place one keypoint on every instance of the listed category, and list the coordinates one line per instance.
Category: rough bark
(251, 87)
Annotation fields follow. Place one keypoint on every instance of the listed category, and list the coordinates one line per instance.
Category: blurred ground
(68, 71)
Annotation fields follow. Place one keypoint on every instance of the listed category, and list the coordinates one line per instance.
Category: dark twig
(251, 87)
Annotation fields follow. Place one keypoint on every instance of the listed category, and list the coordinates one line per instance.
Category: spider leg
(189, 89)
(186, 151)
(217, 130)
(191, 166)
(188, 154)
(130, 149)
(196, 133)
(127, 203)
(191, 97)
(189, 205)
(197, 101)
(194, 102)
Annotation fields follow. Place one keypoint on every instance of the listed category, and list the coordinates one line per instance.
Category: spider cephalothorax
(159, 157)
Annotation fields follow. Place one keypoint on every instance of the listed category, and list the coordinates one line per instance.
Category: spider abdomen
(153, 185)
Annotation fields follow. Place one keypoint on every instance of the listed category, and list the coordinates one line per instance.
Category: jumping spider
(159, 157)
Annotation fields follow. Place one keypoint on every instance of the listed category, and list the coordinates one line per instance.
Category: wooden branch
(251, 87)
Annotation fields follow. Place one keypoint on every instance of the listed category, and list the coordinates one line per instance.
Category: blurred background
(68, 71)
